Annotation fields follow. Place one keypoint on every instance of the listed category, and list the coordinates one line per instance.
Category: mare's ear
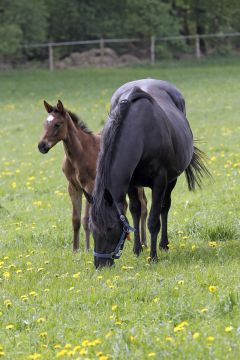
(108, 197)
(88, 196)
(60, 107)
(48, 107)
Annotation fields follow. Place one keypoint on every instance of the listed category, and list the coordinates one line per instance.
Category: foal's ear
(60, 107)
(108, 197)
(48, 107)
(88, 196)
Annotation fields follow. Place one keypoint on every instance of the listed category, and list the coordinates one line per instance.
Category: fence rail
(152, 44)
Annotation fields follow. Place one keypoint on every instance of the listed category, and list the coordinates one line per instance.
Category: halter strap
(116, 254)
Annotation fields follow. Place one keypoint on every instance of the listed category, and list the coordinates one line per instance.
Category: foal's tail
(196, 169)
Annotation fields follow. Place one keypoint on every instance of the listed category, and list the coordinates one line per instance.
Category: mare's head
(55, 126)
(109, 229)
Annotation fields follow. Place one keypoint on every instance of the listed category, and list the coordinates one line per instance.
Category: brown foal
(81, 148)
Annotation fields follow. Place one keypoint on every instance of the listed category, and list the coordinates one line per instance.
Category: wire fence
(151, 47)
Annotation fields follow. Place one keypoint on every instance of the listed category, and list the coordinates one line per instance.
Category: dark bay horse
(147, 141)
(81, 148)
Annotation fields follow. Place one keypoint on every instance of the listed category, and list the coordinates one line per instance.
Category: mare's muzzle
(43, 147)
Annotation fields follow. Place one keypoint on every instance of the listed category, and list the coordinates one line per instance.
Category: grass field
(53, 304)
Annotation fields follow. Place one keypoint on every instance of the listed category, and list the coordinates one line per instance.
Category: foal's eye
(57, 126)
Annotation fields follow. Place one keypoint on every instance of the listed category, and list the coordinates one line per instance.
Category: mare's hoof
(152, 259)
(137, 251)
(164, 247)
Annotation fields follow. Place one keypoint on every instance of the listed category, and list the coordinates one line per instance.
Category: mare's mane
(101, 212)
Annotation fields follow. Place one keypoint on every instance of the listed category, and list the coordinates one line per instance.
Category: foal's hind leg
(154, 223)
(135, 209)
(86, 225)
(143, 200)
(164, 215)
(76, 198)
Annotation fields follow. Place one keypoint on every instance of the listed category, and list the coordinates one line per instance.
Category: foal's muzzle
(43, 147)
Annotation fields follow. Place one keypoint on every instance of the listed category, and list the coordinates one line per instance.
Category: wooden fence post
(50, 57)
(102, 50)
(152, 50)
(197, 47)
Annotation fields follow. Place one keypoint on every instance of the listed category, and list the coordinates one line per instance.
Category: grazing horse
(79, 165)
(146, 141)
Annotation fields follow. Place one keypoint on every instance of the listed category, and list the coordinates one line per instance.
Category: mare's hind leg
(135, 209)
(76, 198)
(86, 225)
(164, 215)
(154, 223)
(143, 200)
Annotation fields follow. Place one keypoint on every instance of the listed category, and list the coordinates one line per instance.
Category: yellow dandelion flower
(229, 328)
(180, 282)
(99, 277)
(76, 276)
(40, 269)
(2, 353)
(7, 303)
(114, 307)
(33, 293)
(57, 346)
(169, 339)
(196, 335)
(68, 346)
(212, 288)
(70, 353)
(41, 320)
(6, 275)
(43, 334)
(10, 327)
(35, 356)
(151, 354)
(204, 310)
(62, 353)
(210, 338)
(181, 326)
(77, 348)
(132, 338)
(110, 333)
(83, 352)
(19, 271)
(14, 185)
(24, 298)
(212, 244)
(103, 357)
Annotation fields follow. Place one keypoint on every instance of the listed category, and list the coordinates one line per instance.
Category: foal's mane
(101, 213)
(76, 120)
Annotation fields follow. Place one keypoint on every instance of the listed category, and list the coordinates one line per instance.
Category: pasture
(53, 303)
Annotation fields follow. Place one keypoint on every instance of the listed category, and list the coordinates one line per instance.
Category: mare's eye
(57, 126)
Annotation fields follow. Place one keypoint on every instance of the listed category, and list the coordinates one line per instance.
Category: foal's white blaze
(50, 118)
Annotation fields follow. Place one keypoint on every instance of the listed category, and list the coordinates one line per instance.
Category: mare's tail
(196, 169)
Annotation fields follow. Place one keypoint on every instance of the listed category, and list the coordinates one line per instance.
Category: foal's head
(55, 127)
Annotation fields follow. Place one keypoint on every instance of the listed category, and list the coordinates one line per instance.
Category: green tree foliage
(21, 22)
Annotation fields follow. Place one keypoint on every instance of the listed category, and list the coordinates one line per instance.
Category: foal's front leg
(154, 223)
(86, 225)
(76, 198)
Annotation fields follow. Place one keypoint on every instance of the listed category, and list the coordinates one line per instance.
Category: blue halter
(116, 254)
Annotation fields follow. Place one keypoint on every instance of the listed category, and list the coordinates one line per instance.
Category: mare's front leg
(154, 223)
(143, 201)
(164, 215)
(76, 198)
(135, 209)
(86, 225)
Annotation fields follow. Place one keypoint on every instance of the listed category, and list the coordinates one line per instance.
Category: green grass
(47, 305)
